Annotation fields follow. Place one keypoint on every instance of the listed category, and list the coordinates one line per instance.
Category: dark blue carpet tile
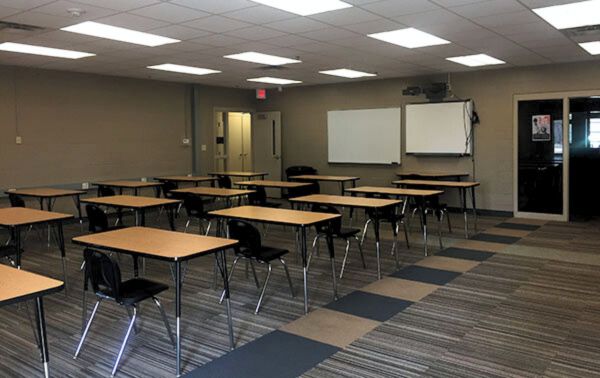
(277, 355)
(495, 238)
(465, 254)
(368, 305)
(518, 226)
(428, 275)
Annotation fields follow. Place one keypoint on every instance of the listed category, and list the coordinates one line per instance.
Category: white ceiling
(209, 29)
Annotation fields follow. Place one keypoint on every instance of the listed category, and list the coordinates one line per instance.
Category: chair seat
(266, 254)
(271, 204)
(7, 250)
(347, 232)
(138, 289)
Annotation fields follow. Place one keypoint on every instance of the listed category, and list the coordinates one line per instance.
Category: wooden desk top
(185, 178)
(155, 243)
(272, 215)
(20, 216)
(127, 184)
(214, 192)
(325, 178)
(273, 184)
(18, 285)
(435, 183)
(348, 201)
(436, 174)
(134, 202)
(45, 192)
(238, 173)
(394, 191)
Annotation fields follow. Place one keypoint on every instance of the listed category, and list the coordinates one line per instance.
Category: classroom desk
(340, 179)
(50, 195)
(127, 184)
(247, 175)
(139, 204)
(170, 246)
(401, 192)
(15, 218)
(227, 194)
(17, 286)
(273, 184)
(196, 180)
(462, 186)
(375, 204)
(295, 218)
(432, 175)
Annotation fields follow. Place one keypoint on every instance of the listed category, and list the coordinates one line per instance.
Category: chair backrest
(387, 213)
(247, 235)
(224, 182)
(103, 273)
(335, 224)
(194, 207)
(259, 197)
(97, 218)
(297, 170)
(105, 191)
(16, 200)
(167, 186)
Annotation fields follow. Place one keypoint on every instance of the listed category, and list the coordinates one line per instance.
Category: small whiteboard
(439, 128)
(365, 136)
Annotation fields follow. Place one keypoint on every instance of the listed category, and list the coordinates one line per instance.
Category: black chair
(298, 170)
(194, 207)
(167, 187)
(259, 197)
(16, 200)
(387, 215)
(250, 247)
(105, 191)
(224, 182)
(98, 220)
(338, 232)
(9, 252)
(104, 276)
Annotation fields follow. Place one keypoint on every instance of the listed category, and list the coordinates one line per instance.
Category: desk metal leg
(377, 242)
(171, 215)
(77, 200)
(178, 317)
(304, 266)
(424, 223)
(17, 236)
(41, 328)
(463, 192)
(329, 238)
(222, 264)
(63, 255)
(474, 209)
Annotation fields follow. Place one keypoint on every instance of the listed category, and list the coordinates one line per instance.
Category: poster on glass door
(540, 128)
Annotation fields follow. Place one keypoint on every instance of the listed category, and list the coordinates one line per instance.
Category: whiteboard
(439, 128)
(365, 136)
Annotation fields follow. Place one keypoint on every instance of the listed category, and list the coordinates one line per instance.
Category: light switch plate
(19, 140)
(203, 147)
(144, 179)
(185, 141)
(85, 185)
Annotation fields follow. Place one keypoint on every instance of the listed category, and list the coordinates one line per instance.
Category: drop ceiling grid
(209, 29)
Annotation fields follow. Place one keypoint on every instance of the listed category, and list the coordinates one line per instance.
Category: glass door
(540, 164)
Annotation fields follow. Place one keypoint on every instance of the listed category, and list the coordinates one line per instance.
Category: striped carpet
(487, 306)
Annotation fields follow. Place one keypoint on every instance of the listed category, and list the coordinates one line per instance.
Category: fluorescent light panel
(45, 51)
(273, 80)
(116, 33)
(410, 38)
(183, 69)
(584, 13)
(591, 47)
(305, 7)
(344, 72)
(477, 60)
(255, 57)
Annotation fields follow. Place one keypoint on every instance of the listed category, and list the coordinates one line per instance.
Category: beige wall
(209, 99)
(82, 127)
(304, 111)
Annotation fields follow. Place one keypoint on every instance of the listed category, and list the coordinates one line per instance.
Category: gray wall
(304, 120)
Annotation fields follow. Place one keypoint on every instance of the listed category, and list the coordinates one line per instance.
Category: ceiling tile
(219, 40)
(7, 11)
(40, 19)
(255, 33)
(216, 6)
(297, 25)
(346, 17)
(287, 40)
(329, 34)
(371, 27)
(217, 24)
(169, 13)
(488, 8)
(24, 4)
(120, 5)
(131, 21)
(259, 15)
(391, 8)
(179, 32)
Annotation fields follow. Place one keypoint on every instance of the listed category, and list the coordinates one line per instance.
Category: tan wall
(209, 99)
(304, 120)
(81, 127)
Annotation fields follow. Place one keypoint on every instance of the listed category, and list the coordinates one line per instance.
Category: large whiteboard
(365, 136)
(439, 128)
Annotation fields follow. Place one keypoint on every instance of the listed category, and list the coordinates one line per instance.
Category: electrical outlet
(203, 147)
(144, 179)
(85, 185)
(19, 140)
(185, 141)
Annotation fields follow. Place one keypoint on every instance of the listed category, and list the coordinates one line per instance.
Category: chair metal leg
(448, 219)
(235, 261)
(345, 258)
(287, 274)
(360, 250)
(364, 233)
(254, 274)
(136, 329)
(315, 245)
(87, 328)
(131, 324)
(440, 221)
(165, 320)
(187, 224)
(264, 289)
(208, 228)
(405, 225)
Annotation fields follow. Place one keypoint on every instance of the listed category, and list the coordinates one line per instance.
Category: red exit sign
(261, 94)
